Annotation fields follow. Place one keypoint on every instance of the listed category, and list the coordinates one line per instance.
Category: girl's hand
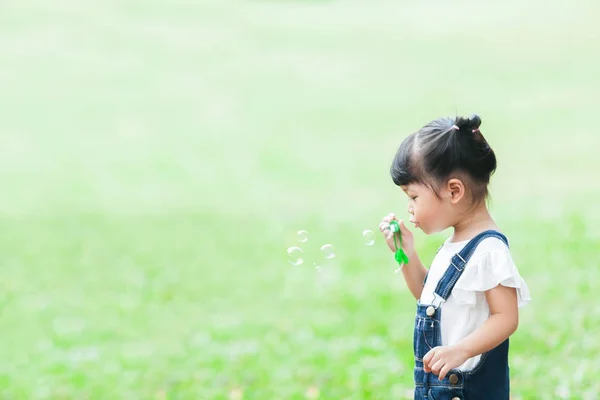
(440, 360)
(408, 241)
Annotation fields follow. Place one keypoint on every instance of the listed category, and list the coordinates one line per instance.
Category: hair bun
(469, 124)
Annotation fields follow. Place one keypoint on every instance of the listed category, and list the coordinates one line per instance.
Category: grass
(157, 160)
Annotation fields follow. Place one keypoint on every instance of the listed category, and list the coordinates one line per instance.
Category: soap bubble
(327, 251)
(369, 237)
(302, 236)
(295, 256)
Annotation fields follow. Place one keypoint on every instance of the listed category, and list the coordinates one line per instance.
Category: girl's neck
(473, 223)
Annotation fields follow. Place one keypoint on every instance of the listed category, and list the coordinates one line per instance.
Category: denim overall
(489, 380)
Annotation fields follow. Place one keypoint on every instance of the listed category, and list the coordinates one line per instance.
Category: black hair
(445, 148)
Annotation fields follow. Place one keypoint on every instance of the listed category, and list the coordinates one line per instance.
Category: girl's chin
(428, 230)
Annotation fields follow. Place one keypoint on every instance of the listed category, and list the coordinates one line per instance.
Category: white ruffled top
(466, 308)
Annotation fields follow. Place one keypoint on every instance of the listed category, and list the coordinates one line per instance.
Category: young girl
(468, 300)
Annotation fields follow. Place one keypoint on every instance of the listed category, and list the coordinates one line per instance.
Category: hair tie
(455, 127)
(475, 130)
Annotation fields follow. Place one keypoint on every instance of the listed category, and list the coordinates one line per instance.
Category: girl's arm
(503, 322)
(414, 272)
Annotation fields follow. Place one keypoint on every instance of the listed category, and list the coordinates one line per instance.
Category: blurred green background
(157, 159)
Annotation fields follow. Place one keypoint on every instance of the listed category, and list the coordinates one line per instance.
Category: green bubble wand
(400, 255)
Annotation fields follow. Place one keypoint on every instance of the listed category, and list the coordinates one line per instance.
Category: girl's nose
(410, 210)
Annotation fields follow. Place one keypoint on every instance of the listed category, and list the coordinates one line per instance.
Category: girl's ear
(456, 190)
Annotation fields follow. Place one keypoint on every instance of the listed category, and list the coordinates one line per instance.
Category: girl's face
(427, 211)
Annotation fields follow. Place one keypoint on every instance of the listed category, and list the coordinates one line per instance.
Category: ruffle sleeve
(489, 270)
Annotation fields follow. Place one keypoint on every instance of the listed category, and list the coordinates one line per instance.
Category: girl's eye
(414, 198)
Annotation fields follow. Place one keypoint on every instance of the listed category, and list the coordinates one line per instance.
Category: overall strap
(458, 263)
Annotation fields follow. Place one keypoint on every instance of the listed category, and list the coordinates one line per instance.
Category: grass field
(157, 158)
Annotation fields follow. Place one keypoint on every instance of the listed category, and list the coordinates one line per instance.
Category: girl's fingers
(433, 358)
(403, 228)
(444, 371)
(435, 368)
(429, 356)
